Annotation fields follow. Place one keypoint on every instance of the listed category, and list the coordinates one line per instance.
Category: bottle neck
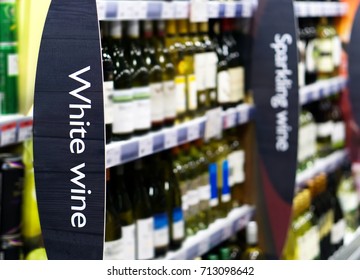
(133, 29)
(116, 30)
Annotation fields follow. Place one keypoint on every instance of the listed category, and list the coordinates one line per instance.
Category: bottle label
(13, 68)
(338, 231)
(113, 250)
(349, 201)
(337, 50)
(307, 141)
(157, 102)
(185, 202)
(178, 225)
(309, 244)
(108, 102)
(301, 74)
(123, 111)
(325, 62)
(236, 161)
(145, 238)
(211, 70)
(338, 132)
(225, 197)
(161, 230)
(223, 86)
(204, 193)
(214, 202)
(170, 99)
(324, 129)
(192, 92)
(200, 68)
(128, 242)
(237, 88)
(142, 108)
(309, 57)
(180, 93)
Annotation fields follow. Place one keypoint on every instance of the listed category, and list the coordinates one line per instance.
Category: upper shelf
(139, 10)
(137, 147)
(317, 9)
(15, 129)
(321, 89)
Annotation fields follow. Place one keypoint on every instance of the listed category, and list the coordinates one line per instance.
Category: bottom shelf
(216, 233)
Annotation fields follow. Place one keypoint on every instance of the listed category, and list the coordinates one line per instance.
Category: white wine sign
(275, 88)
(69, 146)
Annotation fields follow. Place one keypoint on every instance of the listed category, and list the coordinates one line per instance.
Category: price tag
(25, 130)
(230, 10)
(213, 9)
(301, 9)
(113, 156)
(181, 9)
(145, 146)
(170, 138)
(8, 134)
(193, 132)
(213, 125)
(226, 232)
(125, 10)
(198, 11)
(139, 10)
(101, 10)
(154, 10)
(247, 10)
(230, 118)
(204, 246)
(168, 10)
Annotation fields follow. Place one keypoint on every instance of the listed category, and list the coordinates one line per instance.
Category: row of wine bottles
(320, 50)
(240, 246)
(157, 73)
(322, 130)
(152, 210)
(323, 213)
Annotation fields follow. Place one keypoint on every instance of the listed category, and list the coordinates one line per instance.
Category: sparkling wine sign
(275, 88)
(69, 146)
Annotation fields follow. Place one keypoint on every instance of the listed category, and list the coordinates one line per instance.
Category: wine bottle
(125, 212)
(143, 213)
(177, 54)
(191, 86)
(169, 74)
(159, 203)
(140, 80)
(123, 98)
(252, 251)
(157, 95)
(113, 233)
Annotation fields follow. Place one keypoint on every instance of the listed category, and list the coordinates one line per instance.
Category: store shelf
(351, 248)
(128, 10)
(317, 9)
(137, 147)
(216, 233)
(327, 164)
(321, 89)
(15, 129)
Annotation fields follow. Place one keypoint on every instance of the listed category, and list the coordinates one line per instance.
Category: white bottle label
(225, 198)
(145, 238)
(309, 244)
(123, 111)
(205, 193)
(337, 50)
(199, 68)
(223, 85)
(237, 88)
(142, 107)
(236, 162)
(338, 231)
(325, 62)
(113, 250)
(214, 202)
(180, 93)
(349, 201)
(157, 102)
(324, 129)
(309, 57)
(13, 65)
(211, 70)
(338, 133)
(128, 242)
(170, 99)
(161, 230)
(108, 102)
(193, 197)
(192, 92)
